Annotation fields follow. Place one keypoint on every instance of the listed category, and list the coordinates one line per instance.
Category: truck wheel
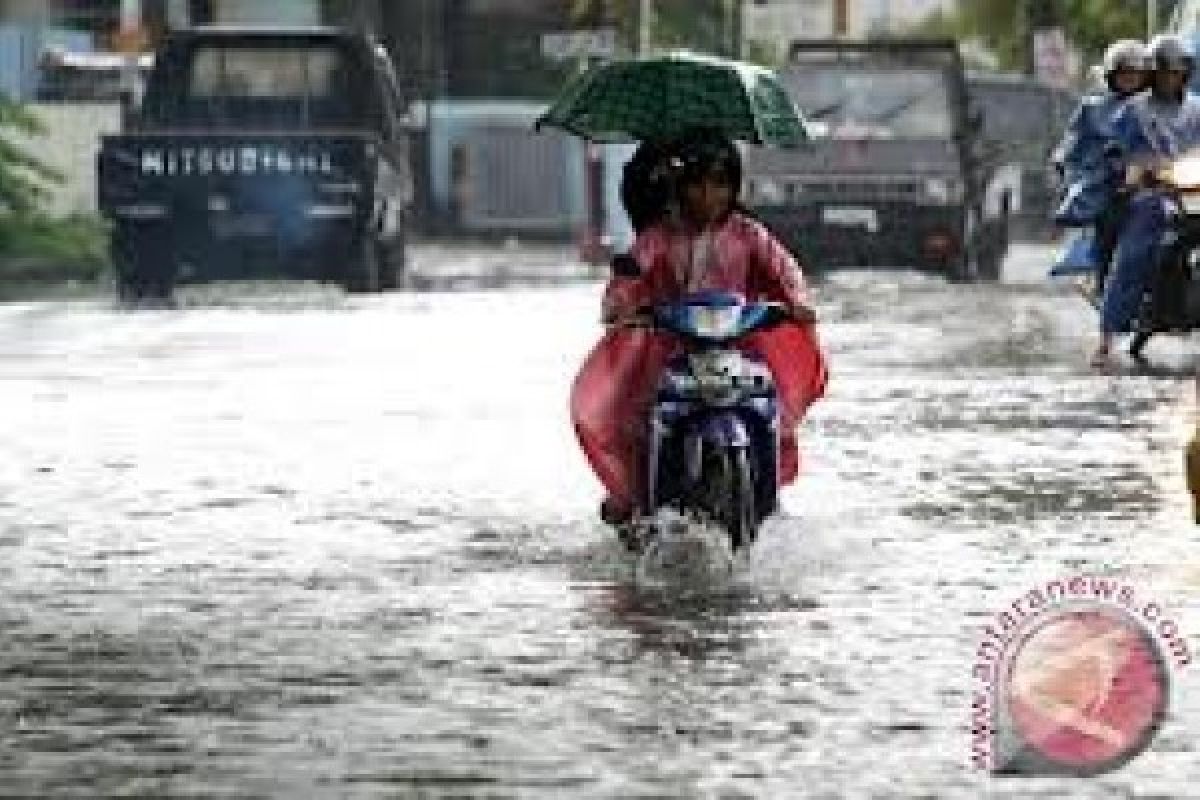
(967, 268)
(365, 271)
(991, 264)
(144, 266)
(394, 262)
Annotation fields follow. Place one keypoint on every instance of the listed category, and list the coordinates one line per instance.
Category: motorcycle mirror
(625, 266)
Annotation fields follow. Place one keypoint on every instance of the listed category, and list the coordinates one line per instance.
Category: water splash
(683, 555)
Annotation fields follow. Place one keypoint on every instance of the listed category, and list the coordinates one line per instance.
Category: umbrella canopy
(664, 96)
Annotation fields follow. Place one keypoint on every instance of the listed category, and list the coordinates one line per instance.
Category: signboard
(1052, 57)
(566, 45)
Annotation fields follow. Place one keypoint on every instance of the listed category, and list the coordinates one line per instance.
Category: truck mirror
(975, 120)
(130, 108)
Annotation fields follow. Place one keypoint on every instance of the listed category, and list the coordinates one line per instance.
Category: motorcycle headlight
(715, 322)
(1185, 173)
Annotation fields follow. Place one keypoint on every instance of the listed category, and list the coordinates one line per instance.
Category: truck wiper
(825, 111)
(888, 114)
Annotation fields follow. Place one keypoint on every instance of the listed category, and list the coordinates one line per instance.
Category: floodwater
(283, 543)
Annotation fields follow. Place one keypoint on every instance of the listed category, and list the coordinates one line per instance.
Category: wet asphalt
(280, 542)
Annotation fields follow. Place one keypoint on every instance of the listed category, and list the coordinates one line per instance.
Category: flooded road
(292, 544)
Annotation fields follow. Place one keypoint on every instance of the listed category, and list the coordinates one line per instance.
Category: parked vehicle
(261, 153)
(899, 172)
(1022, 123)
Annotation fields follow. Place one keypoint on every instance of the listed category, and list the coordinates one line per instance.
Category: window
(264, 71)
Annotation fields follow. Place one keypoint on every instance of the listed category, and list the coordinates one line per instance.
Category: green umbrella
(663, 96)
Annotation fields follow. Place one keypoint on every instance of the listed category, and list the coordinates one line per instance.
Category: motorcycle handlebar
(777, 314)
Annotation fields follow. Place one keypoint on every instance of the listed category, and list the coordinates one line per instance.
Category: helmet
(1170, 52)
(1125, 54)
(705, 151)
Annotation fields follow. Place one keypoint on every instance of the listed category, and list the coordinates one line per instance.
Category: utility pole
(645, 22)
(736, 28)
(841, 17)
(1151, 19)
(131, 40)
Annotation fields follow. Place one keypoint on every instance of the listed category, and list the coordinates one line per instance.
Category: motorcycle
(714, 422)
(1171, 302)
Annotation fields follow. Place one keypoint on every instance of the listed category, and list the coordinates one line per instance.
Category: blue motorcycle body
(714, 423)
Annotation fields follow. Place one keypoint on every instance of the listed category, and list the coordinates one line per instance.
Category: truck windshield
(855, 102)
(265, 72)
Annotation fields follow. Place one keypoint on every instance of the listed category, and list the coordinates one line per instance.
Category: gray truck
(260, 153)
(898, 172)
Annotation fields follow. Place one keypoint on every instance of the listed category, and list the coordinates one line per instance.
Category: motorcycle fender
(721, 430)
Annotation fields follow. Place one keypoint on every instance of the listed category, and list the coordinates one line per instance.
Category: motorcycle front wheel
(725, 492)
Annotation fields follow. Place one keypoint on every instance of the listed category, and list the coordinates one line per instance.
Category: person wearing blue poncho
(1083, 159)
(1153, 127)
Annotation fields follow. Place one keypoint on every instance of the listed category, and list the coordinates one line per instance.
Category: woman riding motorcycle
(1093, 195)
(703, 242)
(1154, 127)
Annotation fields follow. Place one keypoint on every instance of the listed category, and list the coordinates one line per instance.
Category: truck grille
(851, 189)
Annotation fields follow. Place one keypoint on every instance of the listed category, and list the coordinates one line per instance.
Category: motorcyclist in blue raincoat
(1093, 186)
(1153, 127)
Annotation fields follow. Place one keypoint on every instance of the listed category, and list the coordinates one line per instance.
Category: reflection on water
(268, 546)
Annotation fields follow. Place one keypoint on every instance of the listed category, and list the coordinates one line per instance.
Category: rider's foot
(614, 513)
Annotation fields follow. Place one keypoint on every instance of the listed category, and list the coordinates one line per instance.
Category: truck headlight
(942, 191)
(343, 187)
(768, 192)
(141, 211)
(326, 211)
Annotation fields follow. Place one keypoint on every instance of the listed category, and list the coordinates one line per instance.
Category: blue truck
(260, 153)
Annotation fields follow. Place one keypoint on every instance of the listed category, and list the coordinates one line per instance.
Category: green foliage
(706, 26)
(22, 177)
(35, 248)
(1003, 25)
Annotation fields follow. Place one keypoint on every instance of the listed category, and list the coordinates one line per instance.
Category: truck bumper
(870, 235)
(247, 247)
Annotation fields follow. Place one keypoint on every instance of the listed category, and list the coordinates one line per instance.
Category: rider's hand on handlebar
(803, 315)
(641, 318)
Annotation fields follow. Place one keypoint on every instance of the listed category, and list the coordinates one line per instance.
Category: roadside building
(773, 24)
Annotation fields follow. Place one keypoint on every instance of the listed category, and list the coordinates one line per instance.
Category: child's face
(1170, 81)
(707, 199)
(1128, 81)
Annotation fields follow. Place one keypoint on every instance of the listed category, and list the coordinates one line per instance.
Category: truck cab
(260, 153)
(897, 173)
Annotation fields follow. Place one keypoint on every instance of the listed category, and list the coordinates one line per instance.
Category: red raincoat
(614, 389)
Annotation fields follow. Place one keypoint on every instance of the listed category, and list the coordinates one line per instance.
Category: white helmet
(1125, 54)
(1170, 51)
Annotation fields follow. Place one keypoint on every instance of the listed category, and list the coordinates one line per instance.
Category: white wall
(275, 12)
(778, 22)
(70, 144)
